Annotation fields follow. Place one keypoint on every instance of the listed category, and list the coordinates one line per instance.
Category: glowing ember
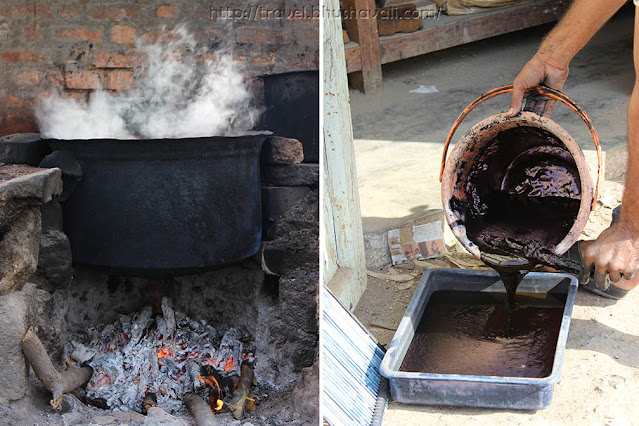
(229, 364)
(167, 355)
(164, 353)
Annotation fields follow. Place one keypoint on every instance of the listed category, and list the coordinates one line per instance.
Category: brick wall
(82, 45)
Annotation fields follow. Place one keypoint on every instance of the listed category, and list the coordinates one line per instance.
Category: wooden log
(238, 402)
(57, 383)
(200, 410)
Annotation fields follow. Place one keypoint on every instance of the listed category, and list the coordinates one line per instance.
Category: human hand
(616, 253)
(537, 71)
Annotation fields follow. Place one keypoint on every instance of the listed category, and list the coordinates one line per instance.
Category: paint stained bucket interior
(520, 183)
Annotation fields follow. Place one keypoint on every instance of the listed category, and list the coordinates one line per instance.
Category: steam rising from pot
(176, 95)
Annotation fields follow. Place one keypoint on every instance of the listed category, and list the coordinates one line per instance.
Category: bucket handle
(539, 90)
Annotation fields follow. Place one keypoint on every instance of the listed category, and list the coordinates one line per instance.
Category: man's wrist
(628, 216)
(553, 58)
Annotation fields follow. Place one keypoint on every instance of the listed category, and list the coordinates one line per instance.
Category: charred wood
(149, 401)
(241, 395)
(200, 410)
(57, 383)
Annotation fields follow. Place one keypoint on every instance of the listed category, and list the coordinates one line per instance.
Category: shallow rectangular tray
(520, 393)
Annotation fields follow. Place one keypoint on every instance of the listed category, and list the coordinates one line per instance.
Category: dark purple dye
(476, 333)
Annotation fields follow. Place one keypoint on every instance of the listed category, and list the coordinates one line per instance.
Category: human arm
(616, 251)
(549, 66)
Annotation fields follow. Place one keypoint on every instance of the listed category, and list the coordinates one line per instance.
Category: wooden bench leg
(361, 25)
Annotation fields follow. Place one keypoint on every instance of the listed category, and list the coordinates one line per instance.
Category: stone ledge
(32, 189)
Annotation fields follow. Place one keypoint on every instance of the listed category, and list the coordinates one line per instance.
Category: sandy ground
(600, 376)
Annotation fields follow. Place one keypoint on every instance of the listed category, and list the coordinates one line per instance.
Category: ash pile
(144, 360)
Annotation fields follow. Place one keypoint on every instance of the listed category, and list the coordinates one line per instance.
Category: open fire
(142, 360)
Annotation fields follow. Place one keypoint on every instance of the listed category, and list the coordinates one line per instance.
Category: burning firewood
(200, 410)
(57, 383)
(149, 401)
(242, 392)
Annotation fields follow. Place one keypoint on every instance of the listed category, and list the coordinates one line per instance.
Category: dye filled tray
(525, 393)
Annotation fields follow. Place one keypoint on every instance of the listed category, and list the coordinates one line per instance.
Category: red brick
(19, 122)
(116, 60)
(264, 60)
(118, 13)
(120, 80)
(30, 10)
(29, 77)
(261, 35)
(80, 34)
(239, 58)
(154, 36)
(168, 11)
(16, 102)
(80, 96)
(164, 35)
(65, 12)
(18, 57)
(83, 80)
(11, 11)
(123, 34)
(33, 32)
(55, 79)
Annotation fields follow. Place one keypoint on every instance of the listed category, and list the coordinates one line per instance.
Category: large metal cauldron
(159, 207)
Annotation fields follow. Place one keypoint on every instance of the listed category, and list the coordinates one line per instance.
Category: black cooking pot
(292, 108)
(161, 207)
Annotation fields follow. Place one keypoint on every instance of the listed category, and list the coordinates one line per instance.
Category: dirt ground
(600, 377)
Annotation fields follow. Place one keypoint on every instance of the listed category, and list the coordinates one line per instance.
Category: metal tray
(520, 393)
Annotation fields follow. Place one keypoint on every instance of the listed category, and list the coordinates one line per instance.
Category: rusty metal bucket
(484, 158)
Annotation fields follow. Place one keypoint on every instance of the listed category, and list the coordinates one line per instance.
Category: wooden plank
(450, 31)
(361, 24)
(342, 251)
(472, 28)
(353, 58)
